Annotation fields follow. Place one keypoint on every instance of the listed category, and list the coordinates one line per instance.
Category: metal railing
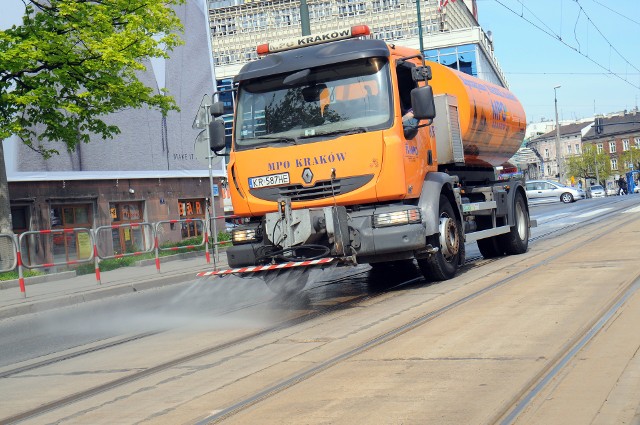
(68, 237)
(83, 245)
(204, 242)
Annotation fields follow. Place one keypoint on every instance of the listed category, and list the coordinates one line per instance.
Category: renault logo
(307, 175)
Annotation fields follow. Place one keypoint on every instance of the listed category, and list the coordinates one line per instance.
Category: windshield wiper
(279, 139)
(348, 131)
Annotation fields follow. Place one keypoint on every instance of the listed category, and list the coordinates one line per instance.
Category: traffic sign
(201, 147)
(202, 118)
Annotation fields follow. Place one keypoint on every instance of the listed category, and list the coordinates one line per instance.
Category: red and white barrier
(205, 239)
(253, 269)
(64, 232)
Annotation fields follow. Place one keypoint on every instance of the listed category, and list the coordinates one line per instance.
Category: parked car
(597, 191)
(539, 191)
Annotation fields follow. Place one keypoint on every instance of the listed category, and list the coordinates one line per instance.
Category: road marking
(550, 217)
(632, 210)
(594, 212)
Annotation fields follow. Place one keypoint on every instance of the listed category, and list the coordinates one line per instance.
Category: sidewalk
(78, 289)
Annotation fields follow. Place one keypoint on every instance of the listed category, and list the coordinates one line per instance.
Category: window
(127, 239)
(546, 153)
(569, 149)
(577, 148)
(625, 144)
(600, 147)
(65, 245)
(20, 219)
(189, 209)
(637, 140)
(612, 146)
(614, 164)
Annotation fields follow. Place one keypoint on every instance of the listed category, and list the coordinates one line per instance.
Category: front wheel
(443, 264)
(566, 197)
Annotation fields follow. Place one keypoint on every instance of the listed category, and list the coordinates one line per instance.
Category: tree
(630, 159)
(70, 63)
(585, 164)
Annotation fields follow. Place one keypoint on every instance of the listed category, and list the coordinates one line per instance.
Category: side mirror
(217, 109)
(422, 103)
(216, 135)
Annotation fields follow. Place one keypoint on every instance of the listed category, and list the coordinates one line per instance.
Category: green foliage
(224, 238)
(12, 275)
(71, 62)
(584, 164)
(630, 157)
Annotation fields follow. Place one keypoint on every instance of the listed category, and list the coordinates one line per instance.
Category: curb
(34, 280)
(27, 306)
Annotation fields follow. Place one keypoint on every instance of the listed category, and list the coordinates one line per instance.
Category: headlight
(244, 235)
(397, 218)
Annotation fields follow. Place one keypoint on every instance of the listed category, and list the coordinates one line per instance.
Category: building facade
(545, 165)
(149, 172)
(619, 137)
(450, 30)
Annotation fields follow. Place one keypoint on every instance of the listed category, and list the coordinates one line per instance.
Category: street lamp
(558, 152)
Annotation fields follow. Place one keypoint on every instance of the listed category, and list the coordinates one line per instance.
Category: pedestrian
(622, 183)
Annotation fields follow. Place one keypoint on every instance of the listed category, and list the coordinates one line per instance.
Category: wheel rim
(449, 241)
(566, 198)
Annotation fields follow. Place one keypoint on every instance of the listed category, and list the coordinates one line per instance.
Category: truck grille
(320, 190)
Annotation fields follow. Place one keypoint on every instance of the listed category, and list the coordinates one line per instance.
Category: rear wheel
(443, 264)
(566, 197)
(517, 240)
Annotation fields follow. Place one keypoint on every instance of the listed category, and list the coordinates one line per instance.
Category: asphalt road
(198, 303)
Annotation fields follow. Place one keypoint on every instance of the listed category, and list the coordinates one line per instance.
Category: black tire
(443, 264)
(517, 240)
(566, 197)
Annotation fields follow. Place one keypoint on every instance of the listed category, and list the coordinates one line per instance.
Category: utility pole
(558, 151)
(304, 18)
(419, 15)
(595, 163)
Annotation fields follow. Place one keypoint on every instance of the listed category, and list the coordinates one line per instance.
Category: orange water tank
(492, 120)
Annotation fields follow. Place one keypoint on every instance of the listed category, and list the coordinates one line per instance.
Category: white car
(539, 191)
(597, 191)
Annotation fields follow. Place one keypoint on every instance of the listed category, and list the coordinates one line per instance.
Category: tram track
(249, 401)
(551, 369)
(142, 335)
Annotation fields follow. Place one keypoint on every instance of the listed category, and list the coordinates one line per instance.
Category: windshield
(311, 104)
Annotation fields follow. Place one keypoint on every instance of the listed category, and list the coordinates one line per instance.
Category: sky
(588, 47)
(599, 38)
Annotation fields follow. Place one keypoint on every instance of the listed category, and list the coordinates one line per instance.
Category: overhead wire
(603, 36)
(556, 36)
(617, 13)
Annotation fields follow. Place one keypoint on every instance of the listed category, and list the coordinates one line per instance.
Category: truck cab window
(405, 85)
(328, 100)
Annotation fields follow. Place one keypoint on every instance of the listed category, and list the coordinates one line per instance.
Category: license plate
(272, 180)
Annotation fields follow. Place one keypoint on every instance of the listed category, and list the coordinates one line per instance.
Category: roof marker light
(308, 40)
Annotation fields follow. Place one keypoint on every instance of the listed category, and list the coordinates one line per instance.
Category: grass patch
(116, 263)
(13, 275)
